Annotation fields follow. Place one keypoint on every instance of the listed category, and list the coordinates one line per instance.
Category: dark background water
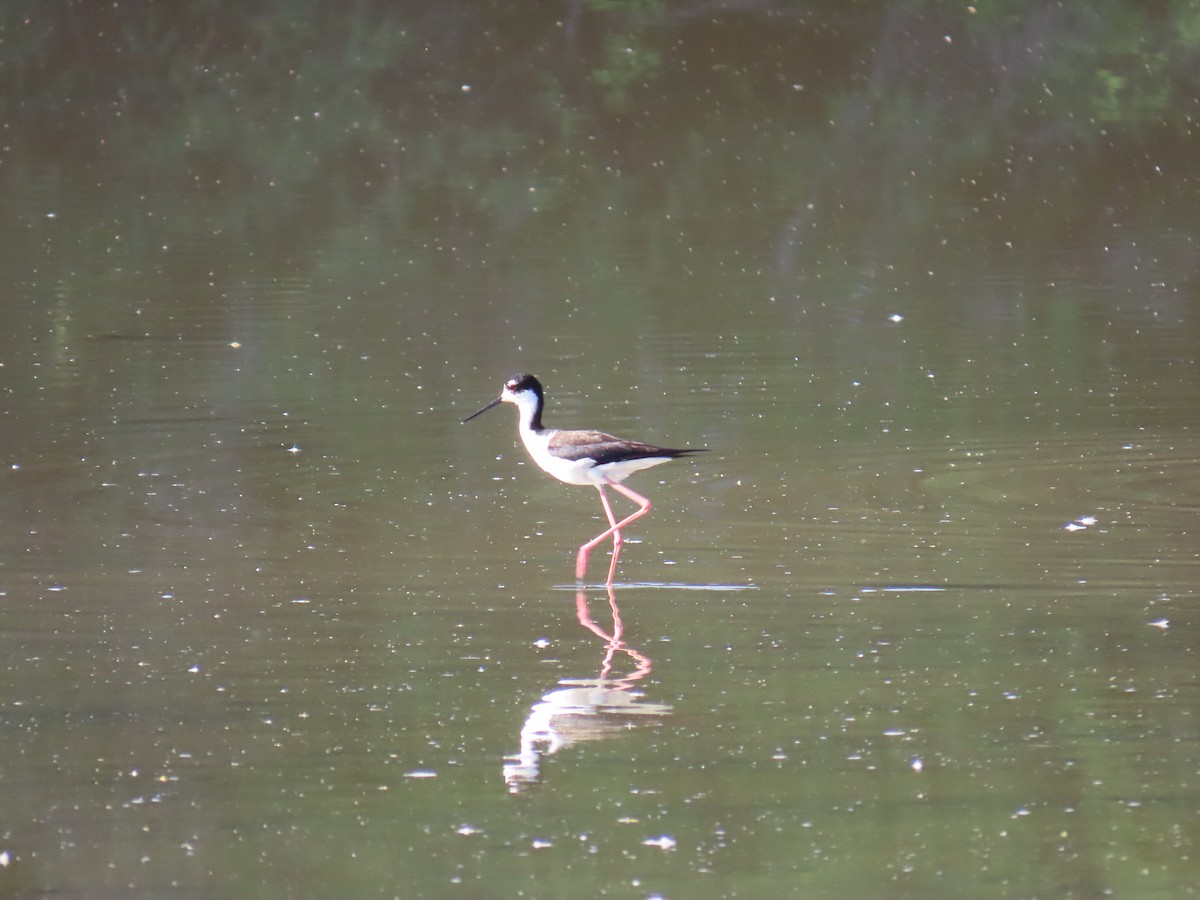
(922, 276)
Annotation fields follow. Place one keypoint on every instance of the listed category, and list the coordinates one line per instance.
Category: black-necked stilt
(582, 457)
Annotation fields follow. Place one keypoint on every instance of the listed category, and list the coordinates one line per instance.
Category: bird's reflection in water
(585, 709)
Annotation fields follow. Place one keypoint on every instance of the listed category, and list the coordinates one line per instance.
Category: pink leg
(616, 536)
(614, 529)
(582, 559)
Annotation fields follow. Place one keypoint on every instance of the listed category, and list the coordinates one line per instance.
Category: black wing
(605, 448)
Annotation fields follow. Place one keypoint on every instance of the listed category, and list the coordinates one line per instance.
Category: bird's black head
(521, 382)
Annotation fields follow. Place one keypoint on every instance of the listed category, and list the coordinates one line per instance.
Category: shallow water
(920, 624)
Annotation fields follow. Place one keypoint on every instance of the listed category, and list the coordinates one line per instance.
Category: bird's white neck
(529, 409)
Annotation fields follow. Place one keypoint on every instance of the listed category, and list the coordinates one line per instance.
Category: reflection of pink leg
(614, 529)
(612, 642)
(586, 620)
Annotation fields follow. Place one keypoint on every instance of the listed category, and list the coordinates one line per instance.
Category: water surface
(920, 624)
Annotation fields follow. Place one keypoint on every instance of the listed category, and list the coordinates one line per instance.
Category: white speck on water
(662, 842)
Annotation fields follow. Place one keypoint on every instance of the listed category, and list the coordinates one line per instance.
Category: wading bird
(582, 457)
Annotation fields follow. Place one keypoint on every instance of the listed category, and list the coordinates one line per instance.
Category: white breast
(572, 471)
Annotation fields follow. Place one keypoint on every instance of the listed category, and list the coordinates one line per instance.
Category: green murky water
(920, 624)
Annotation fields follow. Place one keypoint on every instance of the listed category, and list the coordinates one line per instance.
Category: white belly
(572, 471)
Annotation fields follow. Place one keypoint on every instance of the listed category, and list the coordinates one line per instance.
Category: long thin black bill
(495, 402)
